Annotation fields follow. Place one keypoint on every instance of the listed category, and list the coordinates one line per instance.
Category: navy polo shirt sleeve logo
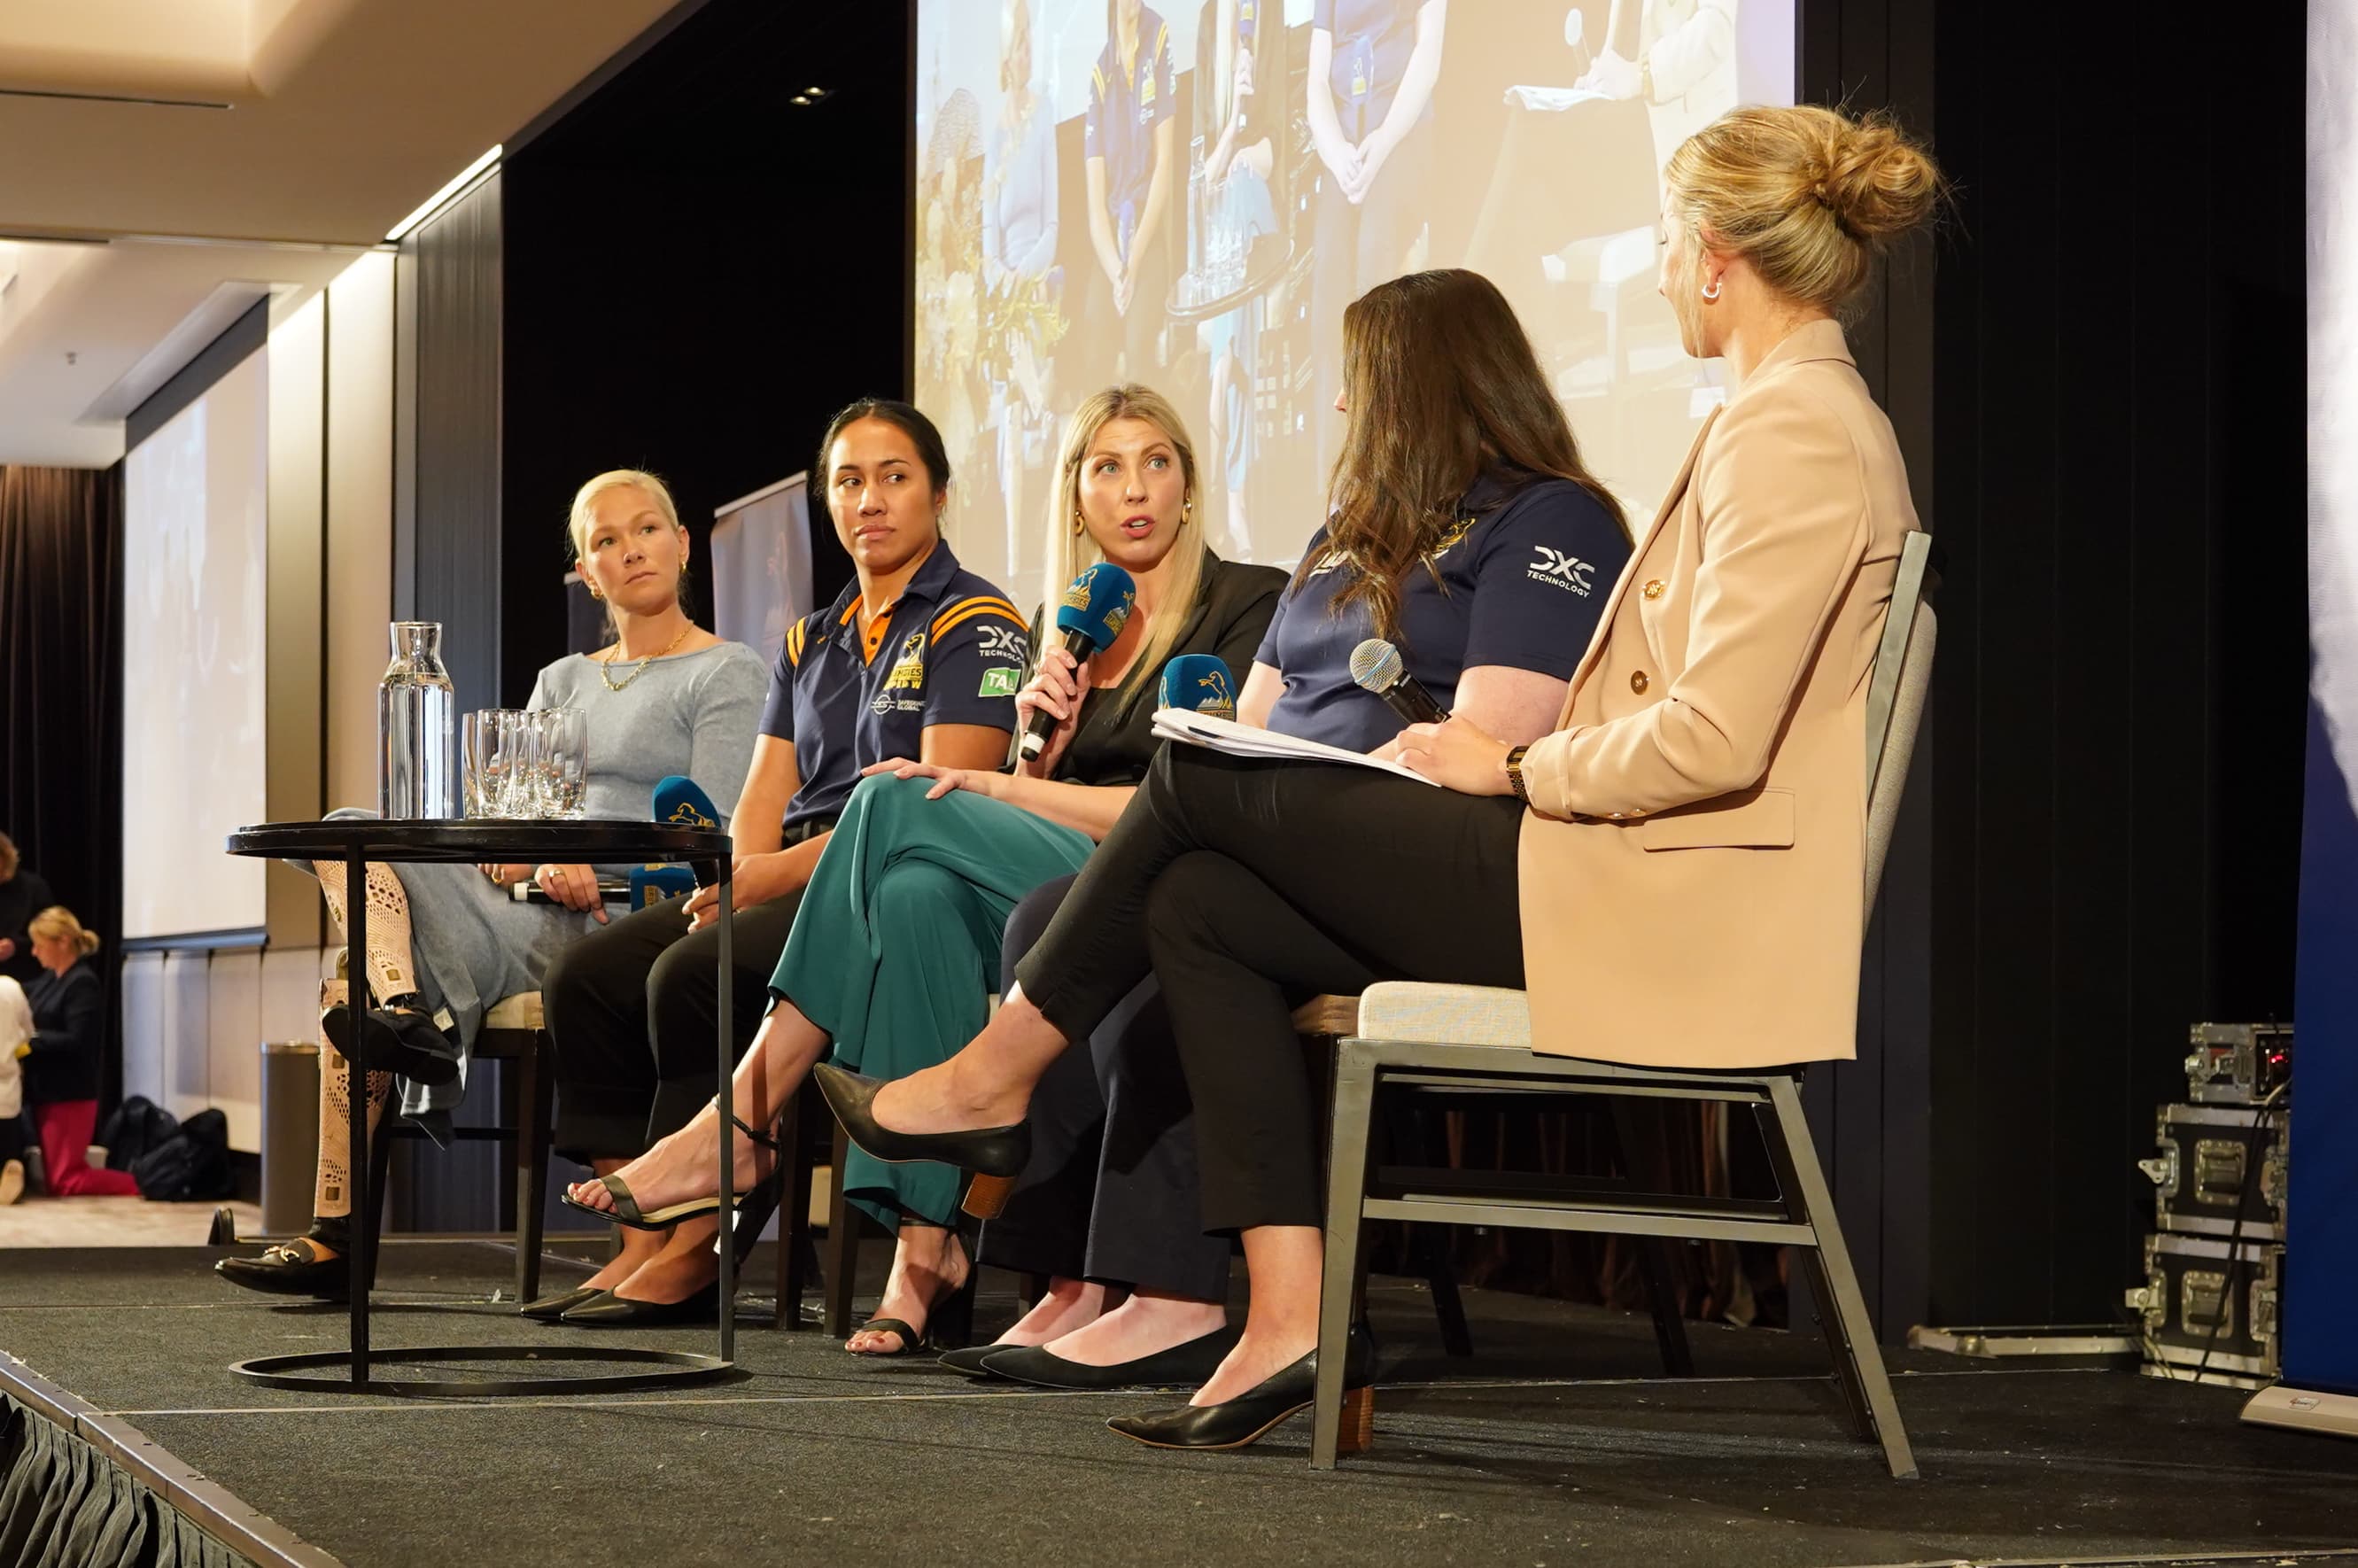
(1560, 568)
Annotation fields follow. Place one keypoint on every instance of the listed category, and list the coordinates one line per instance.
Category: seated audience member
(1445, 381)
(1681, 856)
(68, 1057)
(892, 960)
(444, 942)
(917, 657)
(16, 1045)
(23, 894)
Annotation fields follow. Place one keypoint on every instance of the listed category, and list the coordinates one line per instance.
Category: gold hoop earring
(1079, 527)
(595, 594)
(1187, 512)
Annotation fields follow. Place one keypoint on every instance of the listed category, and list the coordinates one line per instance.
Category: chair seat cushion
(1418, 1013)
(521, 1011)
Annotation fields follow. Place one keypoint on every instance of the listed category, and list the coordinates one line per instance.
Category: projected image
(1189, 195)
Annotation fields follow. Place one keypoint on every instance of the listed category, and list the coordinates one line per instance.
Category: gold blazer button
(1654, 589)
(1637, 682)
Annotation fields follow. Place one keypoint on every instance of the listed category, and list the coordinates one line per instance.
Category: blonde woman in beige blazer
(1673, 871)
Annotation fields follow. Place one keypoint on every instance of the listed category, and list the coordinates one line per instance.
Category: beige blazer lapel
(1662, 515)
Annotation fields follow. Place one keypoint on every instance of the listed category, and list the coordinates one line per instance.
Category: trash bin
(290, 1134)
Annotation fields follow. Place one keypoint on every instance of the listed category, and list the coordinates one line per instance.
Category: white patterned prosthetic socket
(391, 970)
(331, 1197)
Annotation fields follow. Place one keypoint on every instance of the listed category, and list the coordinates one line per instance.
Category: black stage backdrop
(61, 713)
(698, 275)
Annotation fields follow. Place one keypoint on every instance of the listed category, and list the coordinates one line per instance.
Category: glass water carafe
(418, 771)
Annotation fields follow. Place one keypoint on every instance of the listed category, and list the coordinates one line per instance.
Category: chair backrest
(1896, 693)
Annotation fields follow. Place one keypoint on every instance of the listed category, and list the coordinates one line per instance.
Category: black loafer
(1185, 1365)
(403, 1043)
(291, 1268)
(607, 1309)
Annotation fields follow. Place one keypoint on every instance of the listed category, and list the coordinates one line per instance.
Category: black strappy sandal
(949, 1323)
(626, 1210)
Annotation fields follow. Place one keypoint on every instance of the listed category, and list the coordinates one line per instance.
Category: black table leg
(361, 1227)
(727, 1127)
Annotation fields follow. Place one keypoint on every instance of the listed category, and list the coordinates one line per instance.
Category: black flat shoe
(548, 1309)
(607, 1309)
(995, 1155)
(1245, 1420)
(967, 1359)
(1185, 1365)
(291, 1268)
(403, 1043)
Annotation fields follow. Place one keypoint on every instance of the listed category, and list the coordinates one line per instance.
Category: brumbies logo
(1560, 568)
(909, 669)
(1223, 702)
(1076, 595)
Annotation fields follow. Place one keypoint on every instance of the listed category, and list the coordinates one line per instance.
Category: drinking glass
(561, 763)
(498, 745)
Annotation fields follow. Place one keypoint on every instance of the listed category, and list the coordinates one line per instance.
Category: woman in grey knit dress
(447, 942)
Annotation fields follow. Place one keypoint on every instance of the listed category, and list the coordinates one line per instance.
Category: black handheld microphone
(1376, 666)
(1091, 616)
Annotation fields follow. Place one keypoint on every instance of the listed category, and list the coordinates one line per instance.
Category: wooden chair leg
(1645, 1165)
(535, 1103)
(842, 1246)
(794, 1213)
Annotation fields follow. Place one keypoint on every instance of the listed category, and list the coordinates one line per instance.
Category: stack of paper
(1244, 741)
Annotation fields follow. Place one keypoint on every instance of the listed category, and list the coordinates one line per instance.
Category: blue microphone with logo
(680, 802)
(1199, 683)
(1094, 611)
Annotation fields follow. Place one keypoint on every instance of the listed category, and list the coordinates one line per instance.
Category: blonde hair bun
(58, 921)
(1806, 194)
(1879, 185)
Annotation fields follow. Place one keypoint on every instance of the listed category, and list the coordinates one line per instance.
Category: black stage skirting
(1560, 1442)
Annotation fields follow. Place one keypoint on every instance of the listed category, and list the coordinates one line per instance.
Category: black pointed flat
(969, 1358)
(405, 1044)
(1183, 1366)
(550, 1309)
(995, 1155)
(607, 1309)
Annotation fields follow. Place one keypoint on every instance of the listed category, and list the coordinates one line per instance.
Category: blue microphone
(1199, 683)
(1094, 611)
(680, 802)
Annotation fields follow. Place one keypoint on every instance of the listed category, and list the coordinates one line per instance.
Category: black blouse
(1114, 743)
(69, 1036)
(22, 897)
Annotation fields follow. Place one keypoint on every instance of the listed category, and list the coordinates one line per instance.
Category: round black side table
(356, 841)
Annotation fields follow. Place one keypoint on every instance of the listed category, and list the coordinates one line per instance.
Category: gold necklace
(606, 664)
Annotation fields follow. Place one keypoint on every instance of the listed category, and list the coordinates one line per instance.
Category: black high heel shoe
(994, 1156)
(390, 1040)
(1252, 1415)
(626, 1210)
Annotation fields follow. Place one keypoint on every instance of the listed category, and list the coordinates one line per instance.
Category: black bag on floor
(137, 1125)
(191, 1165)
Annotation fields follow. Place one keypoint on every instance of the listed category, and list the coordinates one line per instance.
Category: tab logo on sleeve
(1560, 568)
(1000, 682)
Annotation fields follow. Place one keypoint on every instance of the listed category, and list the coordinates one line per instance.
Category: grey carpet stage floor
(1559, 1442)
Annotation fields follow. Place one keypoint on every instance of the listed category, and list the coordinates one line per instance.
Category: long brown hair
(1443, 387)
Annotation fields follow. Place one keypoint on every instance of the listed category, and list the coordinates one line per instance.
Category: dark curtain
(65, 1505)
(61, 715)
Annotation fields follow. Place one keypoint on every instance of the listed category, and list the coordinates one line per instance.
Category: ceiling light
(802, 99)
(465, 176)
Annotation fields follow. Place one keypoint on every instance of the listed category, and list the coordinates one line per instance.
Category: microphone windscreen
(1376, 666)
(1098, 604)
(680, 802)
(1200, 684)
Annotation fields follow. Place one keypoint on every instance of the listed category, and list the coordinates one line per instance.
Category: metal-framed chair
(1419, 1039)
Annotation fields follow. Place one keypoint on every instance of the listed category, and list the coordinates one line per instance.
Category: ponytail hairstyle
(57, 921)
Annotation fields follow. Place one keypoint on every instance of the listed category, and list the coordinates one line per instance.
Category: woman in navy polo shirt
(916, 657)
(1127, 161)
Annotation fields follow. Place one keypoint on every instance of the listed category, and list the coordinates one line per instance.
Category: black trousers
(1111, 1193)
(631, 1009)
(1247, 886)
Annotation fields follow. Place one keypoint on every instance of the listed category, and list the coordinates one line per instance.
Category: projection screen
(1195, 213)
